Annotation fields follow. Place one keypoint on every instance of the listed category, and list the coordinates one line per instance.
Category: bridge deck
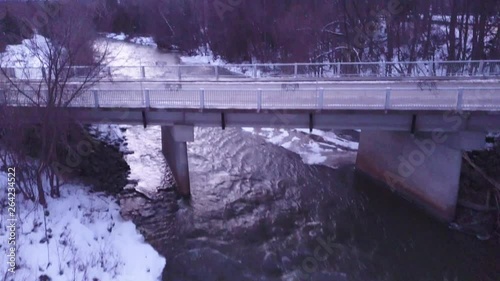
(481, 95)
(385, 95)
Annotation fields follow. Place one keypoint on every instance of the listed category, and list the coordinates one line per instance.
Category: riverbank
(80, 236)
(478, 211)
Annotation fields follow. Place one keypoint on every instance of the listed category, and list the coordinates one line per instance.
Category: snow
(109, 134)
(139, 40)
(280, 137)
(87, 239)
(311, 151)
(314, 156)
(115, 36)
(22, 55)
(333, 138)
(26, 57)
(248, 130)
(144, 41)
(204, 58)
(142, 148)
(147, 163)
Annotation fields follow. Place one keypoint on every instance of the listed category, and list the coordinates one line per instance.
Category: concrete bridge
(415, 123)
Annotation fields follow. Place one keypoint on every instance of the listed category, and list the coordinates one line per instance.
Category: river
(271, 204)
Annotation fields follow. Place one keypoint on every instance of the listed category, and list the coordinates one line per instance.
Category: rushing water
(259, 211)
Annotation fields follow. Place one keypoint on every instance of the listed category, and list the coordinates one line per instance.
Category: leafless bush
(36, 123)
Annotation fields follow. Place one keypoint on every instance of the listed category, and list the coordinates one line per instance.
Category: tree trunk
(453, 27)
(474, 37)
(390, 46)
(482, 32)
(39, 184)
(465, 39)
(428, 24)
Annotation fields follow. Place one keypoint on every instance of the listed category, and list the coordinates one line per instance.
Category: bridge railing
(458, 99)
(291, 71)
(75, 73)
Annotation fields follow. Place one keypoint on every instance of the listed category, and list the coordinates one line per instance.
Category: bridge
(416, 117)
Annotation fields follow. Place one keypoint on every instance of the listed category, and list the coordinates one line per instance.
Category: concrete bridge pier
(174, 147)
(424, 168)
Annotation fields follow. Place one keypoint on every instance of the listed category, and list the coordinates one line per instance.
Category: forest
(295, 30)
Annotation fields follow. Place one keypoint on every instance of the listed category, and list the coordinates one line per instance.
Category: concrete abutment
(424, 168)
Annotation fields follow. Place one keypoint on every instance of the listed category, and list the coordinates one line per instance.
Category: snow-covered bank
(143, 154)
(203, 58)
(318, 147)
(140, 40)
(82, 237)
(333, 138)
(24, 55)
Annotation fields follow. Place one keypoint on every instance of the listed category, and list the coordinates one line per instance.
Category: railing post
(143, 72)
(388, 92)
(216, 73)
(259, 100)
(254, 71)
(179, 73)
(296, 70)
(481, 68)
(384, 69)
(96, 98)
(338, 69)
(460, 99)
(202, 99)
(495, 67)
(147, 101)
(321, 98)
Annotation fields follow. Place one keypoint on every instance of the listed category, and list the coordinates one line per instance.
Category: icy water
(124, 53)
(286, 205)
(259, 212)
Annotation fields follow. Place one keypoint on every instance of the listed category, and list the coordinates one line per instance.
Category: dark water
(259, 213)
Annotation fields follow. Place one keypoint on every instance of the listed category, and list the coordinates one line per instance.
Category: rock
(320, 276)
(335, 276)
(286, 262)
(271, 265)
(44, 278)
(147, 212)
(205, 264)
(103, 167)
(474, 215)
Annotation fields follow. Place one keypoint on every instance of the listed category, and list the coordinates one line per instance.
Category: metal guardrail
(458, 99)
(297, 71)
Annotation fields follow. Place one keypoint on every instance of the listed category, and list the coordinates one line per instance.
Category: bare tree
(60, 65)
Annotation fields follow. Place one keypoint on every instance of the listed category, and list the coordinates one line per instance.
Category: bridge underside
(405, 121)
